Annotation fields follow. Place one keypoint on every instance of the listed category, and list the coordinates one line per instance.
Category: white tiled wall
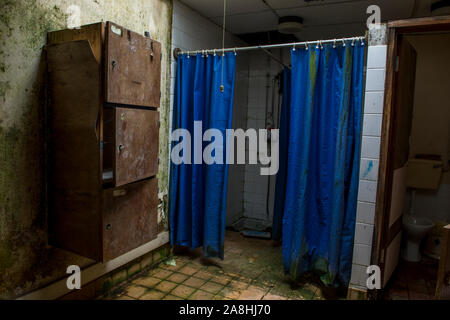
(256, 187)
(370, 152)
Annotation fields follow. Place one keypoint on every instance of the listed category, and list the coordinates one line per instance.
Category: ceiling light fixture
(290, 24)
(440, 8)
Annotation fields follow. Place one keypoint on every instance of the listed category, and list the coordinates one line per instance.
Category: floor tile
(201, 295)
(188, 270)
(171, 297)
(152, 295)
(177, 277)
(135, 291)
(252, 293)
(147, 281)
(162, 274)
(211, 287)
(182, 291)
(203, 274)
(194, 282)
(165, 286)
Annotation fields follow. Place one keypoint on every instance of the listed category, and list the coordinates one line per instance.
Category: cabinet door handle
(121, 147)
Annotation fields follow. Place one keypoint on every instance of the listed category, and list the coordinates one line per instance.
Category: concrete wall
(26, 261)
(192, 31)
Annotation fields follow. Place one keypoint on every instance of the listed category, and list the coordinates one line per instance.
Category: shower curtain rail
(271, 46)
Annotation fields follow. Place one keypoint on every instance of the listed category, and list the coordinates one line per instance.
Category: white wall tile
(372, 125)
(363, 234)
(359, 275)
(375, 79)
(376, 57)
(370, 147)
(361, 254)
(374, 102)
(367, 191)
(369, 169)
(365, 212)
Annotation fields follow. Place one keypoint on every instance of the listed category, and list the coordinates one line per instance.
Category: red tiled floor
(252, 269)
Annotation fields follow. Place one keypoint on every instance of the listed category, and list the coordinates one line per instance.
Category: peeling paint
(27, 262)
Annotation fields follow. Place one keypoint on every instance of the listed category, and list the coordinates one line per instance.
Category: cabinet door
(136, 141)
(129, 217)
(133, 68)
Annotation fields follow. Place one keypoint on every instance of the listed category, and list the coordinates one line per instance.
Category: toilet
(424, 175)
(415, 228)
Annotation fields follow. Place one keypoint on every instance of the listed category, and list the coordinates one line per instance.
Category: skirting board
(95, 271)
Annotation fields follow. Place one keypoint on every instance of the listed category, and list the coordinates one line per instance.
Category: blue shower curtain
(198, 191)
(323, 150)
(280, 184)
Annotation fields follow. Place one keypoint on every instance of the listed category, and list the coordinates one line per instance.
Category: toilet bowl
(415, 229)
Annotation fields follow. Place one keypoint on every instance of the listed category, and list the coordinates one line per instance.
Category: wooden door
(129, 217)
(133, 68)
(74, 147)
(136, 144)
(443, 280)
(397, 156)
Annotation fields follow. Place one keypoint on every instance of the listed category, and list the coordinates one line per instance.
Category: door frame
(395, 29)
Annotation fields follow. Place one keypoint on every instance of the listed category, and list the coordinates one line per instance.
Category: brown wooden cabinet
(103, 93)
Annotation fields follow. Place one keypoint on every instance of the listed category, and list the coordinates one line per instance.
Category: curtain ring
(293, 47)
(334, 43)
(343, 43)
(235, 53)
(214, 52)
(362, 42)
(317, 44)
(321, 45)
(188, 55)
(353, 42)
(306, 46)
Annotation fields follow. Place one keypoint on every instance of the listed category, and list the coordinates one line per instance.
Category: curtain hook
(362, 41)
(214, 51)
(188, 55)
(334, 43)
(317, 45)
(293, 47)
(235, 53)
(353, 42)
(321, 45)
(306, 45)
(343, 43)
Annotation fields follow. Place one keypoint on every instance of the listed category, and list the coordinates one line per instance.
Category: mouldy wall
(26, 261)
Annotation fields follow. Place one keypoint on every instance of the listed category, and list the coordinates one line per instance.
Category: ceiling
(323, 19)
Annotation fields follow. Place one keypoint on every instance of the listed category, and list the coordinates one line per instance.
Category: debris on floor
(252, 270)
